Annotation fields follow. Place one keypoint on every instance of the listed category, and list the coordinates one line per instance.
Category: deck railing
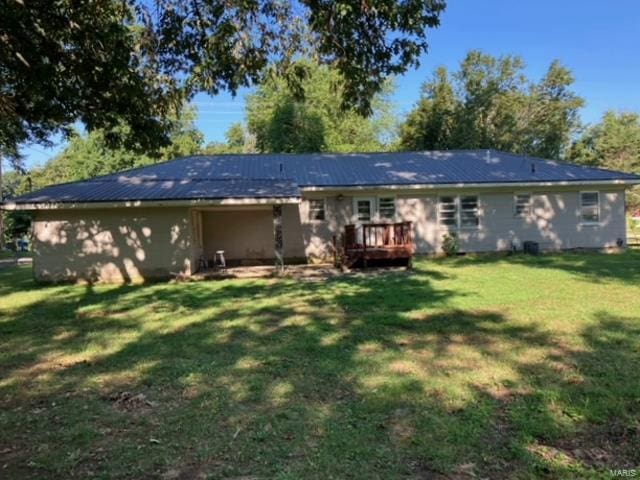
(374, 241)
(378, 235)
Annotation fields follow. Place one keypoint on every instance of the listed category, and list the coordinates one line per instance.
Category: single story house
(162, 220)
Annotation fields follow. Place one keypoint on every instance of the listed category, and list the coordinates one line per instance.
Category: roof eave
(26, 206)
(433, 186)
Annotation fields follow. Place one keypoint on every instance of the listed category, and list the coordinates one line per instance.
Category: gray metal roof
(280, 175)
(130, 189)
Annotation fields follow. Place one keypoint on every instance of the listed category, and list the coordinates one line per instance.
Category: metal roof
(125, 189)
(280, 175)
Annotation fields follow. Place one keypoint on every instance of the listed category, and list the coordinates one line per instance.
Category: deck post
(364, 245)
(277, 237)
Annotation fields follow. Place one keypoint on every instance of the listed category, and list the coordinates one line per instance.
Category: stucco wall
(314, 238)
(241, 233)
(133, 244)
(554, 220)
(111, 245)
(247, 233)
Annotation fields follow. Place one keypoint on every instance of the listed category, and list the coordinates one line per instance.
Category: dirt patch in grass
(197, 471)
(132, 402)
(603, 447)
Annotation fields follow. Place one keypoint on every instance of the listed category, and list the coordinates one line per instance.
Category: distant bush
(450, 244)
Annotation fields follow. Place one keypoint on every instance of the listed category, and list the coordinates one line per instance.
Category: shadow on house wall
(116, 245)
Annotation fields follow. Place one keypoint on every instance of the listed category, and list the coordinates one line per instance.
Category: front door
(363, 209)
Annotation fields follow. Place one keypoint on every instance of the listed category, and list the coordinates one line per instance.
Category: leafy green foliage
(15, 224)
(451, 244)
(237, 140)
(77, 61)
(489, 103)
(135, 62)
(282, 122)
(91, 154)
(612, 143)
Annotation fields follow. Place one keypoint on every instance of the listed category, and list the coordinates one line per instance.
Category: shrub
(450, 244)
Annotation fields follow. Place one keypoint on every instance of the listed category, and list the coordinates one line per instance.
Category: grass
(633, 230)
(7, 254)
(489, 367)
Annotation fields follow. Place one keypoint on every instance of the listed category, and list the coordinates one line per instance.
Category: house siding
(138, 243)
(554, 221)
(111, 245)
(243, 234)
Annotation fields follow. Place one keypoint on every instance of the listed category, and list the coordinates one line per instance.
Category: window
(316, 209)
(590, 207)
(522, 205)
(387, 208)
(448, 211)
(459, 212)
(364, 210)
(469, 217)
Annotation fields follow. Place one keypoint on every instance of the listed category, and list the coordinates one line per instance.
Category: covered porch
(239, 235)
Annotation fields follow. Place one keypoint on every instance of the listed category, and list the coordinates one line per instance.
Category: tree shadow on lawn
(361, 377)
(594, 266)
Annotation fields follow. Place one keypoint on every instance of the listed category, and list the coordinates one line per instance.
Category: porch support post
(277, 236)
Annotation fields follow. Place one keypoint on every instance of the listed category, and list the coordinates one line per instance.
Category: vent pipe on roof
(533, 167)
(281, 167)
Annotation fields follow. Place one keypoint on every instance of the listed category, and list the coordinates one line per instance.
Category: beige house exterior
(168, 220)
(142, 241)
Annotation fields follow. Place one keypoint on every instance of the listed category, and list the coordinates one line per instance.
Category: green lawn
(6, 254)
(489, 367)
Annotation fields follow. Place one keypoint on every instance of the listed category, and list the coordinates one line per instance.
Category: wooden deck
(377, 241)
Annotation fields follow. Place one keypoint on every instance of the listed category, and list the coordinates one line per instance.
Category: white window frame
(372, 209)
(324, 210)
(458, 211)
(529, 205)
(477, 210)
(582, 220)
(374, 202)
(378, 215)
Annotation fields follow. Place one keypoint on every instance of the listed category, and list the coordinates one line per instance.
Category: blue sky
(599, 41)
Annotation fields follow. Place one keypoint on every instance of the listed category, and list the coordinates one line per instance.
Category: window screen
(316, 209)
(590, 207)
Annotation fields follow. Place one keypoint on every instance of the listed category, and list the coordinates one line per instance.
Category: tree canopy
(612, 143)
(489, 103)
(90, 154)
(135, 62)
(278, 121)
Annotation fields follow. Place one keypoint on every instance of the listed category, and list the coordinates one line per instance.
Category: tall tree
(104, 62)
(612, 143)
(108, 62)
(16, 223)
(237, 140)
(432, 121)
(489, 103)
(281, 121)
(90, 154)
